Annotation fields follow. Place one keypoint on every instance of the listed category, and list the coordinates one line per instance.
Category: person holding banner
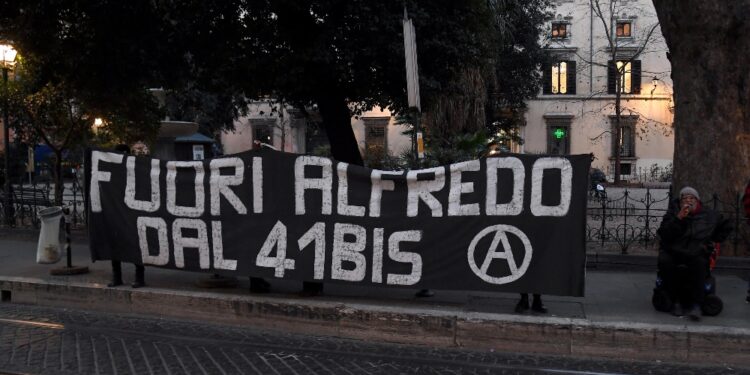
(687, 234)
(116, 264)
(536, 306)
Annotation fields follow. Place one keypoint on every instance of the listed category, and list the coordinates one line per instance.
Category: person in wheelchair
(687, 235)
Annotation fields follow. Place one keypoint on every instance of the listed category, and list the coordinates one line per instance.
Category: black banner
(508, 223)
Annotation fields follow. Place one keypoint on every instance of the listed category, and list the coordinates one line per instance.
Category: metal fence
(28, 199)
(626, 221)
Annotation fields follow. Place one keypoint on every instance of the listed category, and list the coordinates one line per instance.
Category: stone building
(575, 111)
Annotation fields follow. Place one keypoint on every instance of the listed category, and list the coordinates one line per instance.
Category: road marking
(33, 323)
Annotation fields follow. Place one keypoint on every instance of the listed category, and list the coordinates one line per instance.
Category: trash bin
(48, 248)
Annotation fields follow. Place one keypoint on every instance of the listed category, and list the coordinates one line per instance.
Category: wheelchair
(712, 304)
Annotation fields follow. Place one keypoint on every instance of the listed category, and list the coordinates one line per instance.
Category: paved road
(36, 340)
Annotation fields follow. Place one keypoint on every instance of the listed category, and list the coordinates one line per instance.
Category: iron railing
(28, 199)
(630, 220)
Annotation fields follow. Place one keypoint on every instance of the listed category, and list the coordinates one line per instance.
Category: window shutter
(611, 73)
(571, 71)
(635, 68)
(546, 78)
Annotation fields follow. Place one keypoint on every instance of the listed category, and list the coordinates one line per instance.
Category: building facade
(596, 49)
(281, 126)
(288, 129)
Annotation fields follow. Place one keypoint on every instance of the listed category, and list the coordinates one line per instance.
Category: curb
(647, 263)
(444, 326)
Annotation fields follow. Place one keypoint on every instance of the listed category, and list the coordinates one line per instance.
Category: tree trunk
(58, 178)
(337, 122)
(708, 42)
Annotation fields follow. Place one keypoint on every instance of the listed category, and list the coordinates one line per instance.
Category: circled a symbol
(500, 238)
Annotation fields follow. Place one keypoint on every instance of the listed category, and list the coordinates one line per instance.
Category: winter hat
(691, 191)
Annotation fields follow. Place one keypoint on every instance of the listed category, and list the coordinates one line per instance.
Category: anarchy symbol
(501, 237)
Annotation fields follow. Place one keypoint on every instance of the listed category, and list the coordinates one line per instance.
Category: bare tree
(621, 67)
(619, 49)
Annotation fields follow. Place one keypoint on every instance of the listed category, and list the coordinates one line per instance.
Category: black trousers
(684, 277)
(117, 272)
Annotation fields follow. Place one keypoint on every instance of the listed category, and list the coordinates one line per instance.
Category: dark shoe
(116, 274)
(677, 310)
(538, 307)
(694, 313)
(522, 306)
(747, 299)
(425, 293)
(258, 285)
(140, 277)
(114, 283)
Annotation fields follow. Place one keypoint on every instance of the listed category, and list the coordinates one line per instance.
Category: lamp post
(7, 59)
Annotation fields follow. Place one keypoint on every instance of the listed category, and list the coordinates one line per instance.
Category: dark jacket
(695, 234)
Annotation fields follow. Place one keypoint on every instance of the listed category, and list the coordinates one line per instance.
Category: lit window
(559, 30)
(560, 78)
(626, 77)
(623, 29)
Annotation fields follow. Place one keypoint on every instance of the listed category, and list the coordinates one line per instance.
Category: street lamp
(7, 60)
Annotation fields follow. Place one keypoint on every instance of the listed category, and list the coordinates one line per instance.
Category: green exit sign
(559, 133)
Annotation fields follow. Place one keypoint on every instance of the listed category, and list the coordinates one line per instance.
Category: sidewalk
(614, 320)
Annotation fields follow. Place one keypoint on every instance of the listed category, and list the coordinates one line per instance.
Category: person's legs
(116, 274)
(537, 305)
(697, 272)
(140, 275)
(523, 303)
(258, 285)
(667, 270)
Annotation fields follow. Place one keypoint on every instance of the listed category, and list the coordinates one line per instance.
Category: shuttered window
(629, 77)
(559, 78)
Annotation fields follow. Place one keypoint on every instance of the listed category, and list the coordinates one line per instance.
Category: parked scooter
(596, 184)
(600, 191)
